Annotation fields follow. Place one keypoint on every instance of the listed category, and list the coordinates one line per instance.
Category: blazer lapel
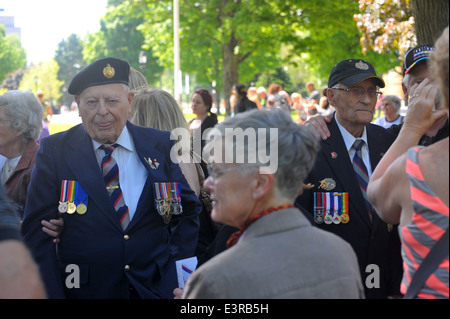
(82, 161)
(153, 162)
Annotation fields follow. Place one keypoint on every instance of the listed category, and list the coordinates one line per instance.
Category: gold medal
(71, 208)
(345, 218)
(81, 209)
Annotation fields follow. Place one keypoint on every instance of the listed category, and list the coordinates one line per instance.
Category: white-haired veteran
(253, 182)
(129, 213)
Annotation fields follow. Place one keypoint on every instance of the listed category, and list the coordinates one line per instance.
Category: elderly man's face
(104, 111)
(352, 111)
(417, 75)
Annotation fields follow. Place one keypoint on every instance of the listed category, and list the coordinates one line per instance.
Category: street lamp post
(142, 60)
(176, 46)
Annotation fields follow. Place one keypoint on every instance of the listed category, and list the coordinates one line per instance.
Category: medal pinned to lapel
(167, 200)
(327, 184)
(153, 164)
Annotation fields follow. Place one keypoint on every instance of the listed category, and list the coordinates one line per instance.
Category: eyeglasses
(215, 172)
(359, 92)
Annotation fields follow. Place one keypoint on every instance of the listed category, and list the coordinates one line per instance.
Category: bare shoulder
(434, 164)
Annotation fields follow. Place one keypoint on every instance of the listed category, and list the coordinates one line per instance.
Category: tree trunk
(431, 19)
(230, 70)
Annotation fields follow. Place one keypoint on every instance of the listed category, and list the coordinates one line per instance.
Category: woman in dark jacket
(243, 104)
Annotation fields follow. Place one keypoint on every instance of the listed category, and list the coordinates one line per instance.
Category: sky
(45, 23)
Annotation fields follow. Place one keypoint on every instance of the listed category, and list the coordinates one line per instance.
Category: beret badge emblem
(109, 71)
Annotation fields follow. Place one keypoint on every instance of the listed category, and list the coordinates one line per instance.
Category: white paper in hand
(185, 268)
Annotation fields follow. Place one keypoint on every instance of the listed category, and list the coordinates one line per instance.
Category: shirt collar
(124, 141)
(349, 139)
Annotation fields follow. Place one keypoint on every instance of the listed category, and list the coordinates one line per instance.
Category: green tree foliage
(44, 77)
(69, 57)
(229, 41)
(119, 38)
(12, 55)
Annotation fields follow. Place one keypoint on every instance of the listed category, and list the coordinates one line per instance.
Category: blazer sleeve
(40, 205)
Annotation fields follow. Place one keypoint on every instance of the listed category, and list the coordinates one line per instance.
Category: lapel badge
(327, 184)
(153, 165)
(334, 155)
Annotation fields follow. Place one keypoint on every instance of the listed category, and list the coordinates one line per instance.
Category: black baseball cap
(353, 71)
(103, 71)
(416, 55)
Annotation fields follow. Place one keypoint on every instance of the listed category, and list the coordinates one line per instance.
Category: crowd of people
(352, 210)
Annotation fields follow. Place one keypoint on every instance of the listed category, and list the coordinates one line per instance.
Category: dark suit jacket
(109, 259)
(371, 241)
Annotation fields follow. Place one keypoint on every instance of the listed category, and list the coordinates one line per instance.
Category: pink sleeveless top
(429, 221)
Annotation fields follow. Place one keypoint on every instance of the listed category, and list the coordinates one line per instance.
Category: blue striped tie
(361, 173)
(110, 171)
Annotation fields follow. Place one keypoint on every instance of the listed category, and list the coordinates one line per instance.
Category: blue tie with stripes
(361, 173)
(110, 171)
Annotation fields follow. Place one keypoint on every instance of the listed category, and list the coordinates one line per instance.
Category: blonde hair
(440, 65)
(137, 80)
(158, 109)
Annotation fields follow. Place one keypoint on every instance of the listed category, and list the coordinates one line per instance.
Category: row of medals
(331, 219)
(71, 208)
(166, 208)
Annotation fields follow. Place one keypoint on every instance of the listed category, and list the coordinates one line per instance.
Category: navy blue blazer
(109, 259)
(372, 242)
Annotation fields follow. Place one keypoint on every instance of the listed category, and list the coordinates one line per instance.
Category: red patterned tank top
(429, 221)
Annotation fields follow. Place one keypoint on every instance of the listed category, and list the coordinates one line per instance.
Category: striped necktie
(110, 171)
(361, 173)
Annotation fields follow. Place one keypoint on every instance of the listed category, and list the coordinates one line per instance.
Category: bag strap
(428, 266)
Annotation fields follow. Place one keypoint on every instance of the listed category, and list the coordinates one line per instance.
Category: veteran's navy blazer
(372, 242)
(109, 259)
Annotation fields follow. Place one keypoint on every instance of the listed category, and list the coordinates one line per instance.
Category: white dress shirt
(132, 173)
(349, 140)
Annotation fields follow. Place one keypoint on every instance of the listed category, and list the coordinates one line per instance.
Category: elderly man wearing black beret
(128, 211)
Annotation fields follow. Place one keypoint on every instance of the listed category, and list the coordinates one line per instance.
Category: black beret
(103, 71)
(353, 71)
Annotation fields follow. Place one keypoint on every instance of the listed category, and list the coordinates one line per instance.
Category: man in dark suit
(337, 201)
(128, 211)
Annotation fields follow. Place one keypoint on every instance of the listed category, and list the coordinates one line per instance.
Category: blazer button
(126, 237)
(127, 267)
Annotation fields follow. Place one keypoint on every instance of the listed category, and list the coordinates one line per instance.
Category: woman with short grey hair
(20, 125)
(257, 166)
(391, 105)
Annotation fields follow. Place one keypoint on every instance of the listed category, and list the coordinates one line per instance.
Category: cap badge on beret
(362, 66)
(109, 71)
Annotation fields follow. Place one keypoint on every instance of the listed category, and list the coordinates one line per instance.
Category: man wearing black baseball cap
(344, 165)
(122, 235)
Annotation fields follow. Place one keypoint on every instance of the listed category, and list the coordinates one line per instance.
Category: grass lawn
(56, 128)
